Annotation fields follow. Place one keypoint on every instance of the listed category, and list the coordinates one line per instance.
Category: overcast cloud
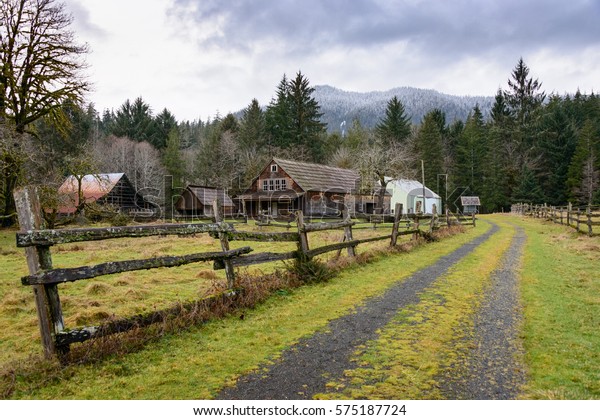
(197, 57)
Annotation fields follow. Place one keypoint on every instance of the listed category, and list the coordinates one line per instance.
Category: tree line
(530, 148)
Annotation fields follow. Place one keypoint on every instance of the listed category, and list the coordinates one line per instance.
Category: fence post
(218, 215)
(474, 218)
(578, 217)
(561, 215)
(396, 226)
(303, 244)
(417, 221)
(348, 234)
(47, 300)
(433, 217)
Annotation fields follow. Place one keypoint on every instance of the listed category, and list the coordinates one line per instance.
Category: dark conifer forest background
(519, 145)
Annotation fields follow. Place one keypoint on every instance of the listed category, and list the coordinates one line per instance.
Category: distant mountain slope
(338, 106)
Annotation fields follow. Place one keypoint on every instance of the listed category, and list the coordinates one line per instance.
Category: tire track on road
(494, 368)
(304, 369)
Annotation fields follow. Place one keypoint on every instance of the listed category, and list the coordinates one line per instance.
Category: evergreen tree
(429, 148)
(524, 98)
(527, 190)
(524, 95)
(164, 123)
(173, 160)
(470, 154)
(293, 118)
(584, 170)
(135, 121)
(358, 137)
(71, 137)
(278, 118)
(557, 144)
(308, 129)
(252, 132)
(230, 123)
(395, 126)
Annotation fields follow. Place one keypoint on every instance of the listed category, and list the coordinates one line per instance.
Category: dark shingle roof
(206, 195)
(314, 177)
(470, 201)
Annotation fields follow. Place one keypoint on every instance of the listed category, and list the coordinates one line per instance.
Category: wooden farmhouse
(197, 201)
(114, 189)
(285, 186)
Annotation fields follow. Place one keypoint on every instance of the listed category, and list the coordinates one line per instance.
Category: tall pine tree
(428, 146)
(395, 126)
(293, 118)
(252, 132)
(584, 171)
(470, 154)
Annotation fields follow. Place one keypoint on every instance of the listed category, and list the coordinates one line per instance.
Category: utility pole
(423, 176)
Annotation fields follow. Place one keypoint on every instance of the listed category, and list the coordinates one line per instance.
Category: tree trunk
(10, 183)
(381, 195)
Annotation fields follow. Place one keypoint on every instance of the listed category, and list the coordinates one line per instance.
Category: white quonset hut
(408, 192)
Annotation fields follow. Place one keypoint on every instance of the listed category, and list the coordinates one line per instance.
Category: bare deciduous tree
(378, 166)
(40, 67)
(139, 161)
(41, 62)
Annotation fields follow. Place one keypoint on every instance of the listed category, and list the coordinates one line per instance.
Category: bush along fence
(44, 279)
(586, 219)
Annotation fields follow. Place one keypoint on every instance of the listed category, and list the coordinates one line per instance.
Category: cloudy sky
(200, 57)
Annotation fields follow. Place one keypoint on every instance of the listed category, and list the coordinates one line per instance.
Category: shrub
(309, 271)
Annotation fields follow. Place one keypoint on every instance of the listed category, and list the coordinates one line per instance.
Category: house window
(275, 184)
(273, 168)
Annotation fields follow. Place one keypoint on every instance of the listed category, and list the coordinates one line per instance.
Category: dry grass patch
(207, 274)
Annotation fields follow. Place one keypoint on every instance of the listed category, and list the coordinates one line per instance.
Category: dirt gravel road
(303, 370)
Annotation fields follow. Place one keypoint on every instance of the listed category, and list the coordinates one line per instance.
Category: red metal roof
(93, 187)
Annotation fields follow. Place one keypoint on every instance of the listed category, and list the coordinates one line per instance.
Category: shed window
(273, 168)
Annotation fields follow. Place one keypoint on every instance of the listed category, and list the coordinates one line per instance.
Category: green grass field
(560, 288)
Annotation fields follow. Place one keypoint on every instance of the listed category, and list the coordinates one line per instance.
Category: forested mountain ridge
(338, 105)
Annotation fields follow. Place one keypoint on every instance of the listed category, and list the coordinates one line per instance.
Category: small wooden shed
(197, 201)
(470, 204)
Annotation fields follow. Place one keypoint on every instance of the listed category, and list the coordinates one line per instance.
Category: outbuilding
(470, 204)
(113, 188)
(197, 201)
(409, 192)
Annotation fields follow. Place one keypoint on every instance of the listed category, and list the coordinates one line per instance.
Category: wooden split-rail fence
(586, 219)
(44, 279)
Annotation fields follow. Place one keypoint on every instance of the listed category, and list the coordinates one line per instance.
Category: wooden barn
(284, 186)
(197, 201)
(114, 189)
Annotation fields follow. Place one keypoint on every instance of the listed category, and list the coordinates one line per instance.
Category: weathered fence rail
(581, 219)
(44, 279)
